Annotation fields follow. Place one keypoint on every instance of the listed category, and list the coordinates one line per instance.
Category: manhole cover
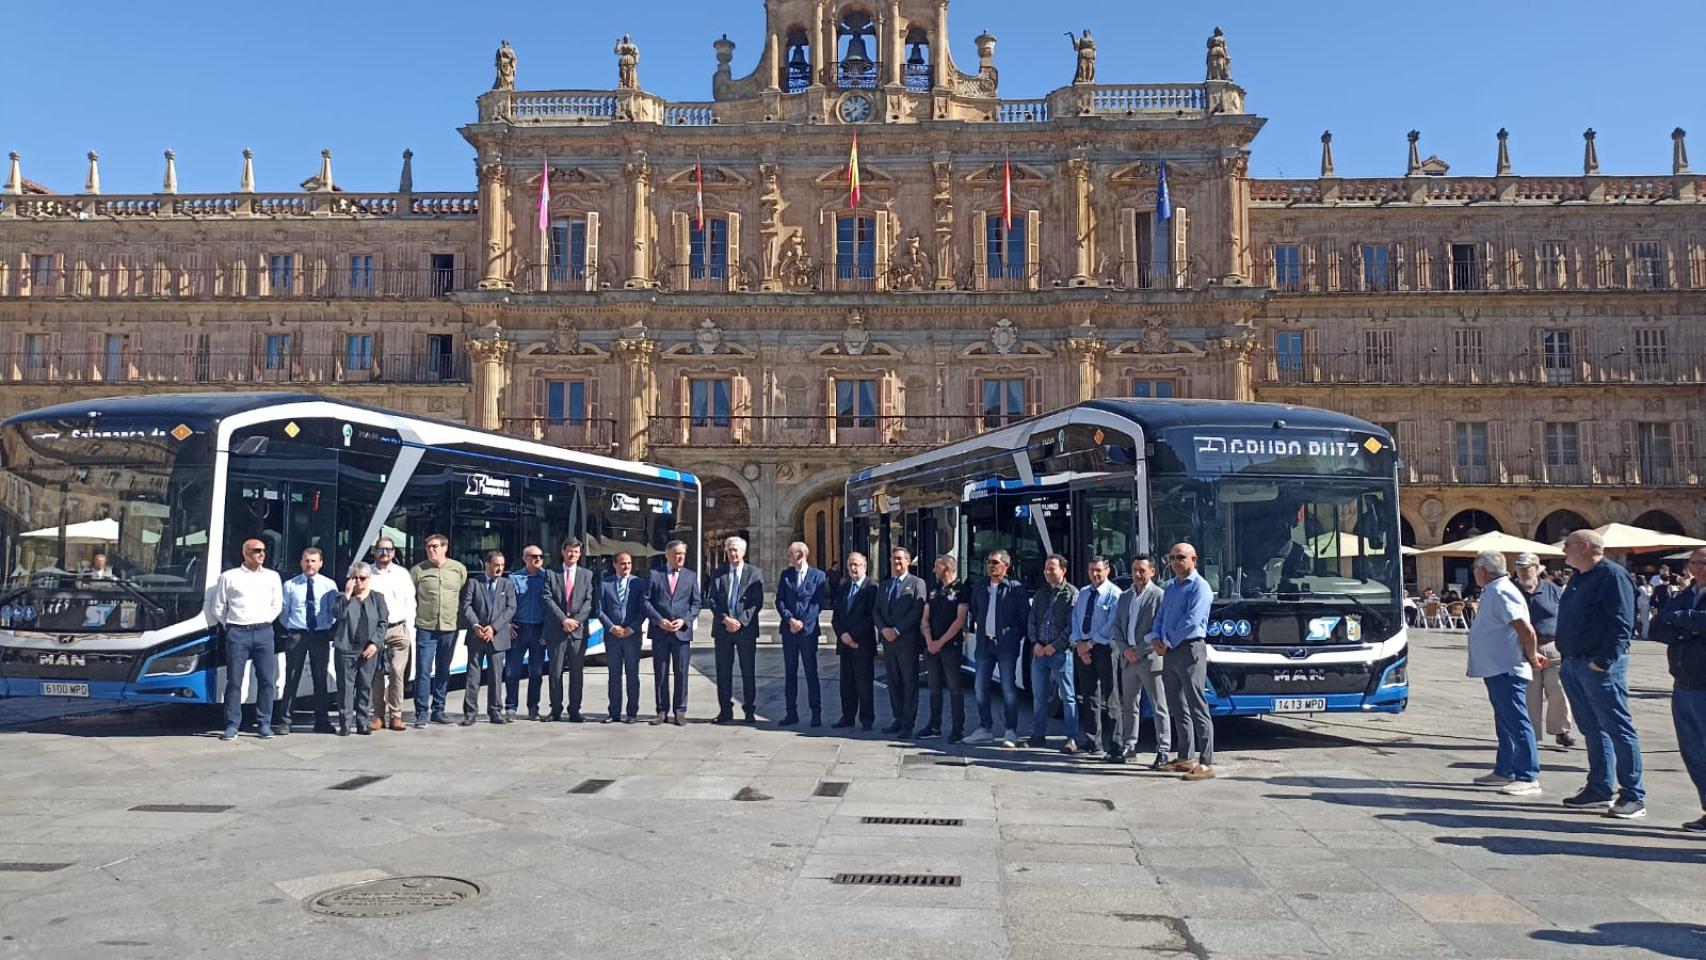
(392, 897)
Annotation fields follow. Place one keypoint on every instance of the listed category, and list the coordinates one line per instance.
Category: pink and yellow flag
(853, 173)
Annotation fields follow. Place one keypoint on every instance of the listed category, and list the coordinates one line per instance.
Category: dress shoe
(467, 720)
(533, 715)
(364, 731)
(378, 723)
(817, 719)
(1178, 766)
(576, 718)
(680, 720)
(1565, 740)
(1201, 771)
(893, 729)
(658, 720)
(1159, 763)
(324, 728)
(611, 720)
(1037, 742)
(1070, 748)
(441, 719)
(630, 718)
(790, 720)
(343, 731)
(926, 733)
(751, 718)
(555, 718)
(265, 734)
(956, 737)
(724, 718)
(841, 725)
(500, 719)
(283, 731)
(397, 723)
(866, 727)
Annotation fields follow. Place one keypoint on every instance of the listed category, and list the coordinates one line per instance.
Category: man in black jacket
(1681, 626)
(1596, 622)
(856, 644)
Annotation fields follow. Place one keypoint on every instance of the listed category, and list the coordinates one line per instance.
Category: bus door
(1104, 523)
(288, 503)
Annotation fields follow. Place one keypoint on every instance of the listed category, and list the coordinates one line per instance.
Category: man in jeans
(245, 601)
(529, 631)
(1596, 621)
(438, 606)
(1546, 692)
(1502, 652)
(1051, 654)
(999, 616)
(1681, 627)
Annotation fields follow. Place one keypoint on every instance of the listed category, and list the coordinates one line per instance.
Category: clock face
(856, 108)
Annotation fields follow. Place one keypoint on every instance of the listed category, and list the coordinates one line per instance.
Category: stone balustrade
(239, 205)
(1464, 191)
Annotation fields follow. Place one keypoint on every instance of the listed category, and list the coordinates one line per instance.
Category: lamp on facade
(710, 500)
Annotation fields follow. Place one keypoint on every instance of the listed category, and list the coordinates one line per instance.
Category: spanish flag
(853, 173)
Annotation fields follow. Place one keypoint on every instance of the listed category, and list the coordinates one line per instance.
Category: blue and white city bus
(1293, 512)
(166, 489)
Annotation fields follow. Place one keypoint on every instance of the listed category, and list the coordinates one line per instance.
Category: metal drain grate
(914, 821)
(356, 783)
(830, 788)
(934, 760)
(181, 808)
(897, 879)
(12, 866)
(591, 786)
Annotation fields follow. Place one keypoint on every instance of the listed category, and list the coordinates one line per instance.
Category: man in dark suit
(622, 611)
(488, 608)
(736, 597)
(899, 615)
(672, 606)
(570, 591)
(799, 599)
(856, 644)
(999, 617)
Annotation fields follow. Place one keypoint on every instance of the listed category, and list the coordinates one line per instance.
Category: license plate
(1301, 705)
(64, 689)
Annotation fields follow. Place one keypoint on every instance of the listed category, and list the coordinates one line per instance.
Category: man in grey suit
(672, 606)
(736, 597)
(1139, 668)
(622, 611)
(569, 592)
(899, 614)
(488, 608)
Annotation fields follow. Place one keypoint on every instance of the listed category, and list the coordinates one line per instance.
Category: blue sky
(369, 79)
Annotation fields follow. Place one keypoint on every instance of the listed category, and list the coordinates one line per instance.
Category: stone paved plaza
(1345, 835)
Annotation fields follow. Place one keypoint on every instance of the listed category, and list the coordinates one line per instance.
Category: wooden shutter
(829, 411)
(1682, 453)
(591, 270)
(681, 275)
(1181, 246)
(980, 250)
(1359, 263)
(890, 406)
(1496, 469)
(1033, 248)
(684, 408)
(830, 253)
(740, 408)
(377, 370)
(1127, 229)
(1630, 443)
(734, 252)
(1395, 251)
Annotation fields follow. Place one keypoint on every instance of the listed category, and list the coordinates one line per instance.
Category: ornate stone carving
(855, 339)
(794, 266)
(709, 337)
(1155, 338)
(1085, 46)
(565, 337)
(493, 349)
(1003, 336)
(505, 63)
(909, 269)
(1219, 62)
(627, 63)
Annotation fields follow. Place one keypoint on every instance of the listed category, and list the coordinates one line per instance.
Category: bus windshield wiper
(143, 598)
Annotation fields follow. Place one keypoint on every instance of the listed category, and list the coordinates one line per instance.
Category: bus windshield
(102, 529)
(1285, 538)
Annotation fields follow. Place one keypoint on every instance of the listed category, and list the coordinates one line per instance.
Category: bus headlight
(1398, 676)
(177, 663)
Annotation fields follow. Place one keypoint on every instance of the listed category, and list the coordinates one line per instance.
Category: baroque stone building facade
(702, 291)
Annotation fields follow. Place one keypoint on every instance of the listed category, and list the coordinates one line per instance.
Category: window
(1466, 267)
(1655, 450)
(1158, 389)
(1650, 347)
(281, 272)
(35, 351)
(1376, 267)
(709, 403)
(1003, 401)
(1557, 353)
(855, 403)
(1288, 350)
(708, 250)
(1650, 273)
(1471, 451)
(358, 351)
(1563, 444)
(1554, 268)
(568, 250)
(443, 273)
(278, 351)
(41, 272)
(361, 273)
(441, 356)
(1379, 350)
(856, 248)
(565, 402)
(203, 358)
(1288, 267)
(1006, 248)
(115, 366)
(1467, 349)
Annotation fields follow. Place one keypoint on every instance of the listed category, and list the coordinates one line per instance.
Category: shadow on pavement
(1686, 940)
(1541, 847)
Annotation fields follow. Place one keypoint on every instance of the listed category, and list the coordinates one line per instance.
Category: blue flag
(1163, 198)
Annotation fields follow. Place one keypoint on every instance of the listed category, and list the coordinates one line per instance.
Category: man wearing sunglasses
(1180, 637)
(245, 601)
(397, 586)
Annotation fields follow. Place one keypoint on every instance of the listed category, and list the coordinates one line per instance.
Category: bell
(916, 59)
(856, 52)
(798, 57)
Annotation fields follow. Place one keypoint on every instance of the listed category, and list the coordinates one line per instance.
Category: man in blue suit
(799, 598)
(672, 605)
(622, 610)
(737, 595)
(999, 615)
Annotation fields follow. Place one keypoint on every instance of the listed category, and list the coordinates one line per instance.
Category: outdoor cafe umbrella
(1496, 542)
(1344, 544)
(88, 532)
(1623, 537)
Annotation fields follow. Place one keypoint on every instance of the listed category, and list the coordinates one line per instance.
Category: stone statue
(911, 267)
(795, 267)
(1086, 48)
(627, 64)
(505, 61)
(1219, 62)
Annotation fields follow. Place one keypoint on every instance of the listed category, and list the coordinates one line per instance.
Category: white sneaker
(1010, 740)
(980, 735)
(1521, 788)
(1491, 780)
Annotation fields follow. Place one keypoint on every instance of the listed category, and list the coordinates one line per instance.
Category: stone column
(942, 171)
(637, 355)
(1088, 349)
(1083, 225)
(490, 356)
(494, 224)
(1233, 170)
(894, 45)
(640, 270)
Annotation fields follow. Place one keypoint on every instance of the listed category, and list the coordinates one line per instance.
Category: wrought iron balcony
(235, 281)
(189, 367)
(1447, 366)
(591, 434)
(843, 431)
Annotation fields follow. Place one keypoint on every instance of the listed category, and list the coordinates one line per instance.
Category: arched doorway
(1466, 524)
(819, 527)
(1662, 522)
(1560, 524)
(727, 514)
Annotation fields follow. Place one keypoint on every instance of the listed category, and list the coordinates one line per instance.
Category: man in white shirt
(245, 601)
(1504, 653)
(392, 581)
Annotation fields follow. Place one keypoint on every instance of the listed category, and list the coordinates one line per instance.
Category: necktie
(1090, 599)
(313, 614)
(894, 589)
(734, 588)
(622, 595)
(852, 591)
(491, 595)
(674, 575)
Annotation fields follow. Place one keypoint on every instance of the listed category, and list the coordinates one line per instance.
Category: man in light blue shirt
(1093, 661)
(1180, 636)
(310, 605)
(1503, 653)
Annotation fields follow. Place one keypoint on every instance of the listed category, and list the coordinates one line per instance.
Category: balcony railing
(591, 434)
(1448, 366)
(1438, 275)
(46, 366)
(1443, 466)
(462, 206)
(854, 75)
(809, 431)
(164, 281)
(1466, 191)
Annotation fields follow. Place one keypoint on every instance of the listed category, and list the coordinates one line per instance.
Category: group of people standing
(1533, 641)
